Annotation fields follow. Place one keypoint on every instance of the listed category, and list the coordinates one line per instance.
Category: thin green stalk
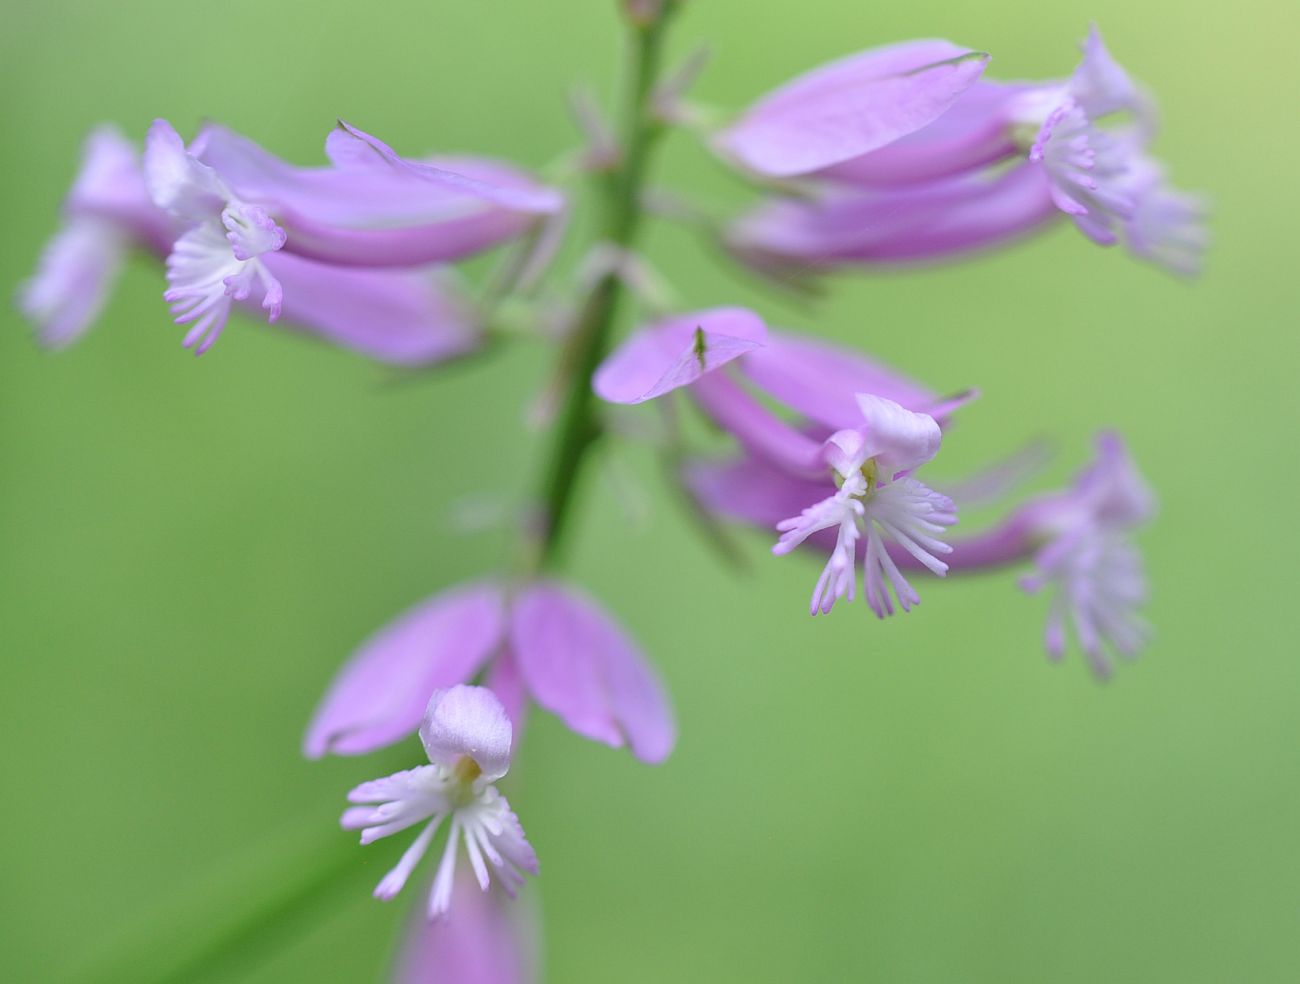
(578, 426)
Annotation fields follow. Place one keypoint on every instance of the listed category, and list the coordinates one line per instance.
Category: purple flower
(853, 452)
(485, 938)
(1078, 542)
(238, 206)
(875, 497)
(1084, 556)
(546, 642)
(401, 316)
(1000, 160)
(467, 735)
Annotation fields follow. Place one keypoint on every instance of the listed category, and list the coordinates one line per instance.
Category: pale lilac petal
(464, 721)
(110, 185)
(1112, 486)
(975, 133)
(752, 490)
(917, 223)
(76, 272)
(579, 664)
(897, 437)
(401, 316)
(662, 357)
(381, 695)
(851, 107)
(177, 182)
(485, 938)
(392, 882)
(757, 428)
(348, 146)
(1167, 226)
(373, 208)
(820, 380)
(1099, 84)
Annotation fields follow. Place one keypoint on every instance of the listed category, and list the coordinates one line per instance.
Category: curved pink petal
(974, 133)
(753, 490)
(350, 147)
(820, 381)
(580, 665)
(406, 317)
(662, 357)
(374, 208)
(381, 694)
(467, 722)
(909, 224)
(851, 107)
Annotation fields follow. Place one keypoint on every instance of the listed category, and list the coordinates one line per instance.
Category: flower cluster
(907, 153)
(895, 154)
(355, 253)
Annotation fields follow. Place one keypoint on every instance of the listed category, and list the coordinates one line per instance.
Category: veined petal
(350, 147)
(578, 664)
(384, 690)
(467, 722)
(851, 107)
(662, 357)
(974, 133)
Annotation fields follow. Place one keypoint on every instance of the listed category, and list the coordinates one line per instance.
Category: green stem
(578, 426)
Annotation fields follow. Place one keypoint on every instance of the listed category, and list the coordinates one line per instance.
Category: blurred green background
(188, 549)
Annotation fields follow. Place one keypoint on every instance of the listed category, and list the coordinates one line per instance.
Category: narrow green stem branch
(578, 426)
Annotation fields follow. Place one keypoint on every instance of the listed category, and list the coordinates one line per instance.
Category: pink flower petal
(465, 721)
(662, 357)
(851, 107)
(578, 664)
(383, 691)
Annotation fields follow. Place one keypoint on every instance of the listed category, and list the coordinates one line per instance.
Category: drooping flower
(545, 642)
(863, 428)
(217, 259)
(1000, 161)
(467, 735)
(876, 499)
(1086, 558)
(404, 316)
